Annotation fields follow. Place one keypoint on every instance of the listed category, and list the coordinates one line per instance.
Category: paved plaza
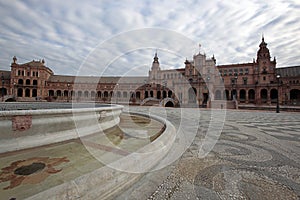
(218, 154)
(257, 156)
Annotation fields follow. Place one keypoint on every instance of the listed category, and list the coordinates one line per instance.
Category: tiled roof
(289, 71)
(93, 79)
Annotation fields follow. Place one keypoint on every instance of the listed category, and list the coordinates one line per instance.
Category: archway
(27, 92)
(34, 92)
(158, 94)
(242, 95)
(295, 96)
(169, 104)
(274, 95)
(264, 95)
(20, 92)
(251, 95)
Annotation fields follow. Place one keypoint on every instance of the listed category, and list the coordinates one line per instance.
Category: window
(28, 73)
(230, 72)
(246, 71)
(33, 73)
(225, 72)
(245, 80)
(264, 78)
(19, 72)
(37, 73)
(241, 71)
(235, 72)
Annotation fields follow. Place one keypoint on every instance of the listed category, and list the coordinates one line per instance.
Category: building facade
(199, 83)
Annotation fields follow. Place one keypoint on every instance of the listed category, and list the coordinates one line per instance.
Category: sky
(121, 37)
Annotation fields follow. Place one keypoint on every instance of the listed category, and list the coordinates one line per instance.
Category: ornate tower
(153, 73)
(265, 69)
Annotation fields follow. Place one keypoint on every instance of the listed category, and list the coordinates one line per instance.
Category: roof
(289, 71)
(94, 79)
(235, 65)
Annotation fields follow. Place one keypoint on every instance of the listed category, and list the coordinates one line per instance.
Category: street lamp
(68, 85)
(117, 92)
(234, 82)
(277, 107)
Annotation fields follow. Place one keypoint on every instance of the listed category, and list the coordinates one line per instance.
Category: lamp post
(117, 93)
(277, 106)
(68, 85)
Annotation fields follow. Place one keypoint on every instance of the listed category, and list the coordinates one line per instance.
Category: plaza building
(200, 83)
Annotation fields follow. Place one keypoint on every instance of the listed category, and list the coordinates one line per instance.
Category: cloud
(65, 33)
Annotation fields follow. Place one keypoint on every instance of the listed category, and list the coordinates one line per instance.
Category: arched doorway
(169, 104)
(251, 95)
(20, 92)
(27, 92)
(274, 95)
(34, 93)
(158, 95)
(295, 96)
(242, 95)
(264, 95)
(192, 95)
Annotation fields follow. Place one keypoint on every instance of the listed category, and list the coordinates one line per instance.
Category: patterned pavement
(257, 156)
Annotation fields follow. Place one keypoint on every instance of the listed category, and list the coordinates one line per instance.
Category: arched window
(34, 82)
(20, 81)
(170, 93)
(27, 82)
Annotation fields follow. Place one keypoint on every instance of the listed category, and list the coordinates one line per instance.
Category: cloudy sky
(67, 33)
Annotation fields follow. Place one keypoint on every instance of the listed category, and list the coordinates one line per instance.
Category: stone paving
(257, 156)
